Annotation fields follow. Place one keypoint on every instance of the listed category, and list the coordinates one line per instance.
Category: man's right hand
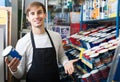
(12, 64)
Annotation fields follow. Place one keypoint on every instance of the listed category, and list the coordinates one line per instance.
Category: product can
(104, 71)
(111, 51)
(95, 59)
(10, 52)
(104, 56)
(96, 75)
(87, 78)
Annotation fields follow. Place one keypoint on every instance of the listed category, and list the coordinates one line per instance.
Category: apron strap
(32, 39)
(50, 39)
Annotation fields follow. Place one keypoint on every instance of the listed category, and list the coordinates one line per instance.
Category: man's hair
(35, 4)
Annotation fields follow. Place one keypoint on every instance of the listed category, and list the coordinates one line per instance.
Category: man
(41, 50)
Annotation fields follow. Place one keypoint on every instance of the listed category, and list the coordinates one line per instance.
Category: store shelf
(82, 69)
(99, 20)
(86, 65)
(115, 18)
(79, 48)
(87, 62)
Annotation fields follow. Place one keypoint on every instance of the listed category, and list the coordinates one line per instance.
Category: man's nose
(36, 15)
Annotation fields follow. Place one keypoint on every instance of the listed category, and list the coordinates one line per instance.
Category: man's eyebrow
(40, 10)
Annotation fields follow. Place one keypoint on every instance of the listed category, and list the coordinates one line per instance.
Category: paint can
(87, 78)
(104, 71)
(11, 53)
(96, 75)
(104, 56)
(111, 51)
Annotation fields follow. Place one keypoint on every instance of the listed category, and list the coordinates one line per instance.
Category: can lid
(95, 48)
(103, 51)
(86, 75)
(103, 44)
(94, 71)
(113, 47)
(6, 50)
(100, 66)
(112, 41)
(103, 67)
(94, 55)
(108, 46)
(109, 65)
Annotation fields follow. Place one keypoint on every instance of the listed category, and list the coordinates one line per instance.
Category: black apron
(44, 64)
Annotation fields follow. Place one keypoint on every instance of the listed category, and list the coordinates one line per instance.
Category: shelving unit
(89, 63)
(114, 19)
(100, 20)
(104, 20)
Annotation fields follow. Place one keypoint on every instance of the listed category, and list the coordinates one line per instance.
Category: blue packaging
(10, 52)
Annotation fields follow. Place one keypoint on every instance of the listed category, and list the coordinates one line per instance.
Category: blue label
(14, 53)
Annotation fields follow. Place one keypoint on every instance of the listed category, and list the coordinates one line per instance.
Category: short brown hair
(37, 4)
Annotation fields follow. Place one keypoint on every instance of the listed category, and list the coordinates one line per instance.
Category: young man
(41, 50)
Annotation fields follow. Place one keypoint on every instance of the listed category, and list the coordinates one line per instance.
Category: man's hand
(69, 68)
(12, 64)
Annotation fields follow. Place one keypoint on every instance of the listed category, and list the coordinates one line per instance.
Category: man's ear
(45, 15)
(27, 18)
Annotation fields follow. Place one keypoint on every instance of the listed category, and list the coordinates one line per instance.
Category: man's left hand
(69, 68)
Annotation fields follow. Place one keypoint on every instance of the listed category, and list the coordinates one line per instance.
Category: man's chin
(38, 26)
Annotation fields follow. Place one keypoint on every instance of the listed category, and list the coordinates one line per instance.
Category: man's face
(36, 16)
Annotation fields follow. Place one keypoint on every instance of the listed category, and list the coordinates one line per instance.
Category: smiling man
(41, 50)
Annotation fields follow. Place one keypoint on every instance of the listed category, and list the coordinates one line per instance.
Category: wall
(1, 57)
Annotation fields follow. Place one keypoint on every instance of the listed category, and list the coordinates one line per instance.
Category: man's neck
(38, 30)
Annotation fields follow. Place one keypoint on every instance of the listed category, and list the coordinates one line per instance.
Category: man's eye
(40, 12)
(32, 13)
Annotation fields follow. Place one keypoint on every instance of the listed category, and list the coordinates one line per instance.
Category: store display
(95, 9)
(73, 53)
(99, 9)
(93, 37)
(61, 18)
(112, 8)
(64, 31)
(74, 17)
(99, 41)
(103, 9)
